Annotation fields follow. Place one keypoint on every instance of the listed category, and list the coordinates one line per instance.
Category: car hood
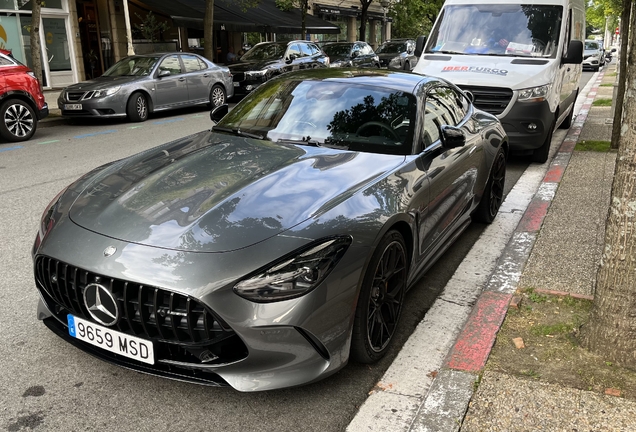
(214, 192)
(254, 65)
(103, 83)
(482, 70)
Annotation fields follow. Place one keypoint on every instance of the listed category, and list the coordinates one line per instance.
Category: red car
(22, 103)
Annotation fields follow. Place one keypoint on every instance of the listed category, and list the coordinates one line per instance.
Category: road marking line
(48, 142)
(11, 148)
(169, 121)
(134, 127)
(110, 131)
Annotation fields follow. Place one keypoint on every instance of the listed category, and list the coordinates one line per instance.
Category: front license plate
(111, 340)
(73, 107)
(236, 84)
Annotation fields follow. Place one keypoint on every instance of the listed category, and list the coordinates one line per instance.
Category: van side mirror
(218, 113)
(419, 45)
(575, 53)
(452, 137)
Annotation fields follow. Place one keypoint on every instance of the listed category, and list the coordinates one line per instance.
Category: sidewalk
(554, 245)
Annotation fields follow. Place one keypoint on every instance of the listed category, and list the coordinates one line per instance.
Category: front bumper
(268, 346)
(44, 112)
(107, 107)
(518, 124)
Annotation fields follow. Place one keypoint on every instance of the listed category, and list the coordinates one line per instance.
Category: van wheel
(540, 155)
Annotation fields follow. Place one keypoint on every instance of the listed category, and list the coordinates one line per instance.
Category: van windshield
(498, 30)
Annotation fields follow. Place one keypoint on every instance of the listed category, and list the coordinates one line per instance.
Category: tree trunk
(208, 30)
(622, 64)
(363, 19)
(36, 50)
(611, 331)
(303, 14)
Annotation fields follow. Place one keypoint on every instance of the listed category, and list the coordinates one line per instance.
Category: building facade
(80, 39)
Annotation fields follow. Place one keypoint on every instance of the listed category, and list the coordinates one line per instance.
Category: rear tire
(17, 120)
(494, 191)
(137, 107)
(541, 154)
(381, 299)
(217, 96)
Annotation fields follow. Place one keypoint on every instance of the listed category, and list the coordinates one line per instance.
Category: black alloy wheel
(494, 191)
(381, 298)
(18, 120)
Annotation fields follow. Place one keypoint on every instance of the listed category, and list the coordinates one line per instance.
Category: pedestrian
(230, 57)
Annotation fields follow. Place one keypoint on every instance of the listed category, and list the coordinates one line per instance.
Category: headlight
(396, 61)
(47, 221)
(260, 73)
(534, 94)
(296, 274)
(106, 92)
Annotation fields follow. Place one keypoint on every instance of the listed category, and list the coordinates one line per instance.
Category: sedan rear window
(328, 113)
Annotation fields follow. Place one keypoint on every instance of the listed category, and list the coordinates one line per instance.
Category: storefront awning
(264, 18)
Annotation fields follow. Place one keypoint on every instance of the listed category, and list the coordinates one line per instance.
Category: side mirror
(575, 53)
(291, 58)
(452, 137)
(164, 73)
(613, 49)
(419, 45)
(218, 113)
(355, 54)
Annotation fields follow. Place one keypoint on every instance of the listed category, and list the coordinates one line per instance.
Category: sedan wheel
(217, 96)
(18, 121)
(381, 298)
(493, 193)
(137, 108)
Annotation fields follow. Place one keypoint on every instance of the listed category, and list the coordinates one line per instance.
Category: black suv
(398, 54)
(351, 54)
(268, 59)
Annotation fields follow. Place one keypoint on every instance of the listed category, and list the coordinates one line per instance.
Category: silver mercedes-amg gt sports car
(268, 251)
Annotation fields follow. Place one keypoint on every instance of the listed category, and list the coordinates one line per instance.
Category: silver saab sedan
(138, 85)
(268, 251)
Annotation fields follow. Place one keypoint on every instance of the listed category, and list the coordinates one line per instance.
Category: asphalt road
(46, 384)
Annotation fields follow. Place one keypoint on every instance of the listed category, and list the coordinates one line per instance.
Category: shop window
(56, 43)
(26, 4)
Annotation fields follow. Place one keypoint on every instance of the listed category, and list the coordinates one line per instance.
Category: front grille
(238, 76)
(74, 96)
(145, 311)
(493, 100)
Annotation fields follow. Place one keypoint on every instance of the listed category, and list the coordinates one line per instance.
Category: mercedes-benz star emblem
(101, 304)
(109, 251)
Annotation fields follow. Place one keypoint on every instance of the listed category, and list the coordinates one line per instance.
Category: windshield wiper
(444, 52)
(311, 142)
(237, 132)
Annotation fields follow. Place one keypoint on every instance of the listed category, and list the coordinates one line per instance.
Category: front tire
(381, 299)
(494, 191)
(18, 120)
(137, 107)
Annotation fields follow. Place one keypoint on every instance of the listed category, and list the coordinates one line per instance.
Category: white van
(521, 62)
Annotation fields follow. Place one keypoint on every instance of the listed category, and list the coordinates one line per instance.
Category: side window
(431, 123)
(306, 50)
(314, 49)
(293, 50)
(171, 64)
(191, 63)
(6, 62)
(454, 103)
(365, 50)
(356, 49)
(202, 64)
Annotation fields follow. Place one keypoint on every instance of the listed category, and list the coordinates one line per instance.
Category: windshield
(324, 113)
(392, 47)
(591, 45)
(132, 66)
(337, 50)
(514, 30)
(269, 51)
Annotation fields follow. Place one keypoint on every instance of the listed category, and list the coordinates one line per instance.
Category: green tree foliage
(598, 11)
(150, 28)
(413, 18)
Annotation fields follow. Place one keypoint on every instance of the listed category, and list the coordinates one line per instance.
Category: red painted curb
(533, 217)
(555, 174)
(478, 336)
